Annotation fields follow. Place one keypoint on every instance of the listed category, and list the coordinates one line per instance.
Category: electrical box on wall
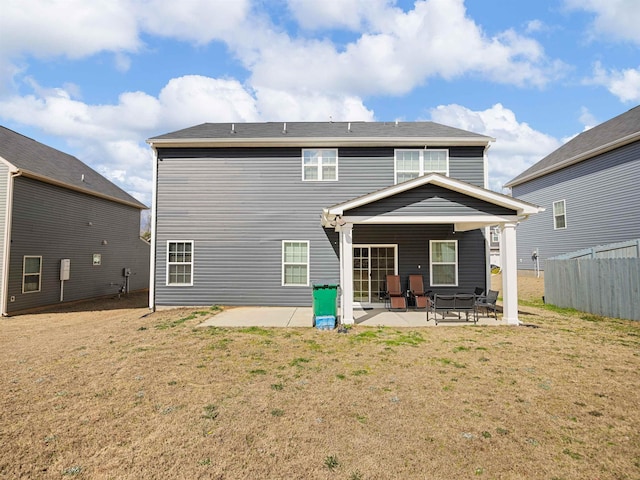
(65, 268)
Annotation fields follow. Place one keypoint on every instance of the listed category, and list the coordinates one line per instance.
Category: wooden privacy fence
(601, 286)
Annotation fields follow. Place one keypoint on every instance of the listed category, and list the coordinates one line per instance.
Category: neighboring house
(61, 219)
(590, 189)
(256, 213)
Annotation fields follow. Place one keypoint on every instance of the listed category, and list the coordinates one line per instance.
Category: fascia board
(321, 142)
(621, 142)
(477, 220)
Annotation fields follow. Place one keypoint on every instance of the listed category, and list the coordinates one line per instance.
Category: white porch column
(346, 273)
(509, 273)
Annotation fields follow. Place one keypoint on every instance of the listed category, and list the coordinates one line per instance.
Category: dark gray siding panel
(467, 164)
(53, 222)
(602, 202)
(238, 205)
(430, 200)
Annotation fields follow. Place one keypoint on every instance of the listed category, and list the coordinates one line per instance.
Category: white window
(31, 274)
(443, 263)
(559, 215)
(180, 263)
(416, 163)
(320, 165)
(295, 263)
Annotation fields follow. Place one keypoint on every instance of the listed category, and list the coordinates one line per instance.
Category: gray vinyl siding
(602, 205)
(467, 164)
(53, 222)
(4, 187)
(238, 205)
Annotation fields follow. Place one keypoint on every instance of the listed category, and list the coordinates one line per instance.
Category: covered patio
(243, 317)
(436, 200)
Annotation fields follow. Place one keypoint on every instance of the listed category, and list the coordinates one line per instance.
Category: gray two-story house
(256, 213)
(66, 232)
(589, 188)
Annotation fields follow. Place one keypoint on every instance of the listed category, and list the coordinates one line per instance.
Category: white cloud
(310, 106)
(198, 21)
(624, 84)
(351, 14)
(399, 52)
(587, 119)
(518, 146)
(534, 26)
(71, 28)
(618, 19)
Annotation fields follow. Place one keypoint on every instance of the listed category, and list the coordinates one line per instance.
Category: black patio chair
(488, 303)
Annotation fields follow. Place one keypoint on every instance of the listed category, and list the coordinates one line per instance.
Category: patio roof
(509, 209)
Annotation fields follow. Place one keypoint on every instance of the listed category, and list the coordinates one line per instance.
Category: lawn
(123, 394)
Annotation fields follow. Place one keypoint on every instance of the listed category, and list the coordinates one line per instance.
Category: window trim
(284, 264)
(320, 165)
(432, 263)
(24, 274)
(556, 216)
(168, 264)
(421, 170)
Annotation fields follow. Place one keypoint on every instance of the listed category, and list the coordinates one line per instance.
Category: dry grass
(117, 394)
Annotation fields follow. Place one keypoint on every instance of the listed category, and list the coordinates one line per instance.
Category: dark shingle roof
(311, 130)
(38, 160)
(612, 133)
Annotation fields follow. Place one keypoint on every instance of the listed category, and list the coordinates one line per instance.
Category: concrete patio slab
(261, 317)
(303, 317)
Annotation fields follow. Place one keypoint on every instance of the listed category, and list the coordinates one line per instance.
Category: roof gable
(517, 206)
(430, 198)
(611, 134)
(36, 160)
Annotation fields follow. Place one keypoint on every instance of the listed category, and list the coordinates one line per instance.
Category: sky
(96, 79)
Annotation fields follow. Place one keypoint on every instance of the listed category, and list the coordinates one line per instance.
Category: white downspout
(152, 253)
(6, 251)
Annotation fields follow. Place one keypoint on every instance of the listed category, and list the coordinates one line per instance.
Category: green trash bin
(325, 305)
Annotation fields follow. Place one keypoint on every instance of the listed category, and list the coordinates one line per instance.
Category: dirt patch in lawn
(122, 393)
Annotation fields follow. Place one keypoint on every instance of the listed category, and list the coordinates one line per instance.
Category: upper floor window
(415, 163)
(559, 215)
(180, 263)
(320, 165)
(31, 274)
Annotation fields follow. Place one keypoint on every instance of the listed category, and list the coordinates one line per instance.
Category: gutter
(320, 142)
